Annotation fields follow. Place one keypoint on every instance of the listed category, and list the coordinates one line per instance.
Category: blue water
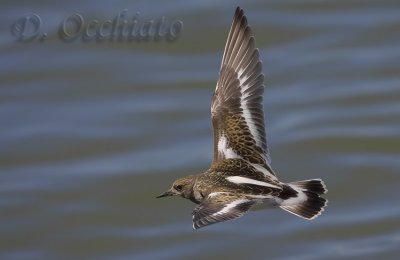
(92, 131)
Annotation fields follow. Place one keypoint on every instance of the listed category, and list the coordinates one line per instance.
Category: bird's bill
(166, 194)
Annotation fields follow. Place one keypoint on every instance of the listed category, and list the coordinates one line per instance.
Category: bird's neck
(196, 195)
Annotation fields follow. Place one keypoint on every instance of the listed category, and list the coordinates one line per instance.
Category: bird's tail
(302, 198)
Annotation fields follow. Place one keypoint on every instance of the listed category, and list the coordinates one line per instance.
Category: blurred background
(92, 131)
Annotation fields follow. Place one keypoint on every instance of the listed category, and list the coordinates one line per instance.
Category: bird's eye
(178, 187)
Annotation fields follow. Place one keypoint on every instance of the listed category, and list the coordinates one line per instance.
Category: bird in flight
(241, 175)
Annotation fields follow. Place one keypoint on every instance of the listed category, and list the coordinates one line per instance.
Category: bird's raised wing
(236, 109)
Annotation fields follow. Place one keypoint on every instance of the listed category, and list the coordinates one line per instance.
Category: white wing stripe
(246, 112)
(229, 206)
(244, 180)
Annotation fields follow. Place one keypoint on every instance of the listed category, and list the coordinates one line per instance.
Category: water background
(91, 132)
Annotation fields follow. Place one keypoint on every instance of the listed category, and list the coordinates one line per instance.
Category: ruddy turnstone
(240, 175)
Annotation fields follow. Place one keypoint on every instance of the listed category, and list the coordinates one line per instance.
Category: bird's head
(182, 187)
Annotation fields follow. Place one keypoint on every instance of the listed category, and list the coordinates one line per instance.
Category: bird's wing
(237, 109)
(220, 206)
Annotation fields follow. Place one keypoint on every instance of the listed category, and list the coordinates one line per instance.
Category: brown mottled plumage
(240, 175)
